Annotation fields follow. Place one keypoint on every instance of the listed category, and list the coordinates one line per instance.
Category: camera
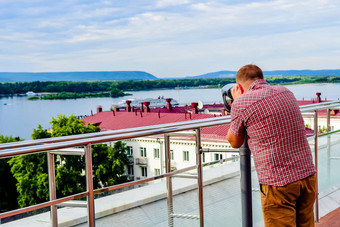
(227, 96)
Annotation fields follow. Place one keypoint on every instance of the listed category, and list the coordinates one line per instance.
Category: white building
(147, 154)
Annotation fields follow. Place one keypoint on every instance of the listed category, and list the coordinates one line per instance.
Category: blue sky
(168, 38)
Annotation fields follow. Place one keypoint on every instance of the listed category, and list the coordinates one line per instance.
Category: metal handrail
(42, 205)
(102, 139)
(319, 106)
(51, 144)
(226, 119)
(105, 133)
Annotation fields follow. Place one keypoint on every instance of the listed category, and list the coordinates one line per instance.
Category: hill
(231, 74)
(74, 76)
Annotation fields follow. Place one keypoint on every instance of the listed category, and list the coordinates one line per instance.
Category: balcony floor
(330, 220)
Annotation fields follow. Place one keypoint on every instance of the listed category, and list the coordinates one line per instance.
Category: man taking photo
(271, 119)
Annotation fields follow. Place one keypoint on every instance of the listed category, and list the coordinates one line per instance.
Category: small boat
(31, 93)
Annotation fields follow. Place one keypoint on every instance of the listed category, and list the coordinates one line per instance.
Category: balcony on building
(141, 161)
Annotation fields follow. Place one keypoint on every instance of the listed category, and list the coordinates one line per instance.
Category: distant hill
(219, 74)
(139, 75)
(75, 76)
(231, 74)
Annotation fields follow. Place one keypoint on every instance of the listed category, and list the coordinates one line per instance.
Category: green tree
(8, 192)
(115, 92)
(109, 164)
(31, 170)
(40, 133)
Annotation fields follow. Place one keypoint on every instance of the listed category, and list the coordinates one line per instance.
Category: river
(19, 116)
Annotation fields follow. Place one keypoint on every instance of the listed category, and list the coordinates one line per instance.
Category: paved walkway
(330, 220)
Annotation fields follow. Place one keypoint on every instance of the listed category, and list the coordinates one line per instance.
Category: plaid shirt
(276, 133)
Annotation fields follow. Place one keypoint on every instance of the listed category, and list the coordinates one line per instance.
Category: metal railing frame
(86, 140)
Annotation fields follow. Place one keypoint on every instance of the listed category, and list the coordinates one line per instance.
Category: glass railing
(205, 192)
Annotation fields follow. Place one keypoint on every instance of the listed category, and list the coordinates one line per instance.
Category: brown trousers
(291, 205)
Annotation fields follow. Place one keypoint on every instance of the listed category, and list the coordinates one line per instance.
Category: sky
(168, 38)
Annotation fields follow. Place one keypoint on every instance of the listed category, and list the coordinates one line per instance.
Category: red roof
(109, 120)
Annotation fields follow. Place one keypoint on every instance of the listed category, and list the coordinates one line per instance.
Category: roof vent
(318, 98)
(168, 105)
(147, 106)
(195, 107)
(128, 105)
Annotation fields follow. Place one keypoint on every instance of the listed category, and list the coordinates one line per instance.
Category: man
(270, 118)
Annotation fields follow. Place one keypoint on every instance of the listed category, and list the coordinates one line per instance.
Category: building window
(185, 155)
(144, 171)
(203, 157)
(157, 172)
(156, 153)
(129, 151)
(143, 151)
(218, 157)
(130, 170)
(172, 156)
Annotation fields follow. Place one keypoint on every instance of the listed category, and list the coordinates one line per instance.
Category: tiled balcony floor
(330, 220)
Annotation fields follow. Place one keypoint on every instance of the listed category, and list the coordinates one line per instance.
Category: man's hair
(249, 72)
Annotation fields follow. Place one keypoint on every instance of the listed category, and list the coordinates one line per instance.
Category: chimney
(168, 105)
(318, 99)
(187, 112)
(194, 106)
(147, 106)
(99, 109)
(128, 105)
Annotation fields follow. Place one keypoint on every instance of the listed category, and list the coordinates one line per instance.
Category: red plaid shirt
(276, 133)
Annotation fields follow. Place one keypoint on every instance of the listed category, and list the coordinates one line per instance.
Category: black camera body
(227, 96)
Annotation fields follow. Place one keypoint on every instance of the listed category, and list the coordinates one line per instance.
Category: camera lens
(227, 96)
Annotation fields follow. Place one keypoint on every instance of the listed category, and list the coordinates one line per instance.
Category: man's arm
(235, 141)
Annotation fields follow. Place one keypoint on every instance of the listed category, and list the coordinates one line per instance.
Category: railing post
(246, 191)
(52, 189)
(89, 186)
(169, 180)
(200, 175)
(328, 120)
(161, 155)
(317, 218)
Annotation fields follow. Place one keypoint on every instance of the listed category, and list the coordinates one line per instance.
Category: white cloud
(201, 6)
(169, 37)
(166, 3)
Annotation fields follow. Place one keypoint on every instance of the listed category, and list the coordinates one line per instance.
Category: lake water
(19, 116)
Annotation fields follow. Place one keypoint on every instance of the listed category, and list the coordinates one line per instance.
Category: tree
(8, 198)
(109, 164)
(31, 170)
(115, 92)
